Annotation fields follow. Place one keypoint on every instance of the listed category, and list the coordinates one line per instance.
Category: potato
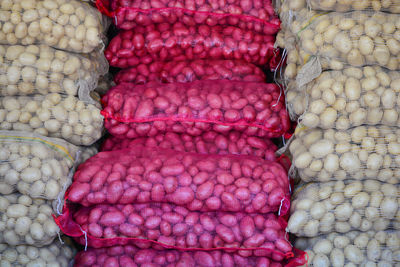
(369, 96)
(53, 115)
(379, 248)
(35, 165)
(24, 220)
(33, 69)
(54, 254)
(352, 207)
(360, 153)
(69, 25)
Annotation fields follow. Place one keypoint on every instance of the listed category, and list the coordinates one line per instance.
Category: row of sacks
(35, 172)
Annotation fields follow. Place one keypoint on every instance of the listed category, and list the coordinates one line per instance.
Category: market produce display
(191, 70)
(55, 254)
(194, 108)
(197, 182)
(164, 42)
(364, 152)
(343, 206)
(254, 15)
(53, 115)
(36, 166)
(65, 24)
(33, 69)
(26, 221)
(209, 143)
(354, 248)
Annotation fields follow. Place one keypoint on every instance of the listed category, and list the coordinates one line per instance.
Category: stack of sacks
(50, 62)
(189, 175)
(342, 83)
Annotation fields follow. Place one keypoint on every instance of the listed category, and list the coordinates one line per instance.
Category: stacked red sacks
(257, 109)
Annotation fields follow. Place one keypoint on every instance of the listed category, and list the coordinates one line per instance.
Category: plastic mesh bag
(34, 165)
(42, 70)
(254, 15)
(322, 208)
(353, 249)
(189, 71)
(178, 42)
(364, 152)
(208, 143)
(168, 226)
(55, 254)
(53, 115)
(24, 220)
(65, 24)
(195, 181)
(128, 256)
(194, 108)
(390, 6)
(352, 97)
(336, 40)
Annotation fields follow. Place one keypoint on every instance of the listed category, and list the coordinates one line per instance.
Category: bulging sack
(197, 182)
(322, 208)
(168, 226)
(178, 42)
(26, 221)
(207, 143)
(352, 97)
(34, 69)
(254, 15)
(364, 152)
(36, 166)
(257, 109)
(55, 254)
(129, 256)
(353, 248)
(190, 71)
(53, 115)
(65, 24)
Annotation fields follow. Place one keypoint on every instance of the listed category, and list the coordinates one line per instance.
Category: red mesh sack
(169, 226)
(178, 42)
(196, 181)
(131, 256)
(258, 109)
(207, 143)
(255, 15)
(191, 70)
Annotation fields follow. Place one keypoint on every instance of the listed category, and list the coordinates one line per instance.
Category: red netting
(195, 181)
(208, 143)
(169, 226)
(258, 109)
(177, 42)
(131, 256)
(191, 70)
(253, 15)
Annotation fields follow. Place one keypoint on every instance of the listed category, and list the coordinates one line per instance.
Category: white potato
(26, 221)
(56, 159)
(345, 206)
(360, 153)
(52, 22)
(378, 248)
(53, 115)
(34, 69)
(54, 254)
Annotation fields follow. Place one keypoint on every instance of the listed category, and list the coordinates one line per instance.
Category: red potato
(191, 70)
(256, 15)
(257, 109)
(177, 42)
(195, 181)
(207, 143)
(169, 226)
(129, 256)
